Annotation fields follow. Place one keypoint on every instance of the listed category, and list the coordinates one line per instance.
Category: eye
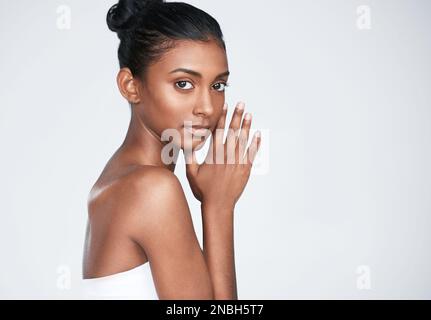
(221, 86)
(183, 85)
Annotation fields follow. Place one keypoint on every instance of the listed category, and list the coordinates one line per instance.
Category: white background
(344, 209)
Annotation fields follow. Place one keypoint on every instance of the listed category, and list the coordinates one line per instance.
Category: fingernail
(240, 105)
(257, 134)
(225, 106)
(247, 116)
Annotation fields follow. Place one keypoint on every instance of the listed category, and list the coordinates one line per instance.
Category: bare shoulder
(156, 182)
(138, 202)
(145, 198)
(155, 215)
(151, 191)
(153, 198)
(139, 187)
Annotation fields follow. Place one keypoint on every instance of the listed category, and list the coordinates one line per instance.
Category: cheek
(174, 108)
(167, 111)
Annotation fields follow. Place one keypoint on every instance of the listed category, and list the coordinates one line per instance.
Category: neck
(142, 146)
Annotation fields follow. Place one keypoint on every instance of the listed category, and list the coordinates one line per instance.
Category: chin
(198, 145)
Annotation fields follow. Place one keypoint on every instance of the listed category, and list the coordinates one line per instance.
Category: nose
(204, 107)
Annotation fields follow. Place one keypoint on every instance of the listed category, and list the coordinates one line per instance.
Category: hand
(222, 177)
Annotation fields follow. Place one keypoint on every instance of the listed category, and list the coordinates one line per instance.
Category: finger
(217, 136)
(236, 119)
(192, 164)
(253, 148)
(232, 134)
(243, 137)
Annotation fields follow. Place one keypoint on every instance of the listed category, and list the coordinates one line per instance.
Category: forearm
(218, 250)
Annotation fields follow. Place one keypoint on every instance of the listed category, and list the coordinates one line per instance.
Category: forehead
(207, 58)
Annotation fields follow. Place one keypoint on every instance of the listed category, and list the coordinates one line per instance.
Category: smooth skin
(137, 209)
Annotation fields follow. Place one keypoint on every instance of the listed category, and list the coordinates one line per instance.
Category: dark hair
(148, 28)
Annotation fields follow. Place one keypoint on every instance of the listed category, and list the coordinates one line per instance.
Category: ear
(128, 86)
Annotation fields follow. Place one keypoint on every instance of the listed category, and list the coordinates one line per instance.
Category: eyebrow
(197, 74)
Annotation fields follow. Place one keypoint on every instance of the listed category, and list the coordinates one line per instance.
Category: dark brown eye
(221, 86)
(183, 84)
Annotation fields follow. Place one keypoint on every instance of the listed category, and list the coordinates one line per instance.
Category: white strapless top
(136, 283)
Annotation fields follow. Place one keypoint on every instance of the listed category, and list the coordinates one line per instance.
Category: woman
(140, 240)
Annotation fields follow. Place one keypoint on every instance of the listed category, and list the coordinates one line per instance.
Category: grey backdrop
(342, 208)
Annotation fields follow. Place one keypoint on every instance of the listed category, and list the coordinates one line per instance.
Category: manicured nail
(225, 106)
(247, 116)
(240, 105)
(257, 134)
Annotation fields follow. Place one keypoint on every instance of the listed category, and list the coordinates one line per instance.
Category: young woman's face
(186, 87)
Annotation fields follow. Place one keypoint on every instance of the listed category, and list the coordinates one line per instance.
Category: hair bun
(123, 15)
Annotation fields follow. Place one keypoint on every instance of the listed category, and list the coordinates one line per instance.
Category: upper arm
(163, 227)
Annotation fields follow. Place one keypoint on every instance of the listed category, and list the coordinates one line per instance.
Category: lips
(197, 130)
(200, 127)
